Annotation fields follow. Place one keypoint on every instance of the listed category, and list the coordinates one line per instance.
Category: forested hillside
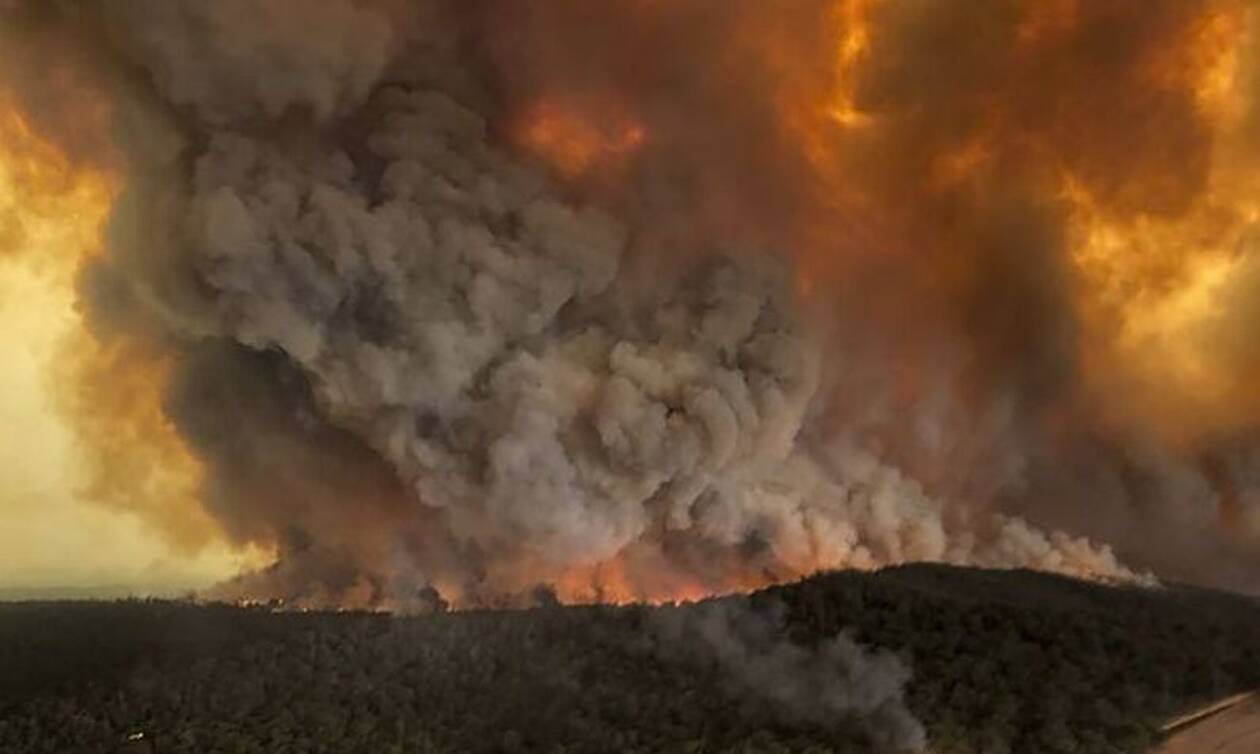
(987, 662)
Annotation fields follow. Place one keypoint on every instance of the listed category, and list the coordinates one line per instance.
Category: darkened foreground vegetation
(1002, 662)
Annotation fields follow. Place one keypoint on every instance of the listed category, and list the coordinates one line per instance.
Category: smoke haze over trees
(984, 661)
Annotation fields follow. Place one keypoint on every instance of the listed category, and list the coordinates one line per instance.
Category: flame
(623, 581)
(643, 573)
(573, 143)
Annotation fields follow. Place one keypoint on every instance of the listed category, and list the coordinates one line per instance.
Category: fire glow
(575, 145)
(120, 452)
(647, 301)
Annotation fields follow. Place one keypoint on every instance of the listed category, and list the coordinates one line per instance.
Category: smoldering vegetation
(991, 661)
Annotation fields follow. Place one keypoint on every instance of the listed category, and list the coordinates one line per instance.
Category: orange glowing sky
(103, 493)
(53, 534)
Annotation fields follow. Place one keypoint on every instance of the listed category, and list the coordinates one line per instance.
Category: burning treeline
(649, 299)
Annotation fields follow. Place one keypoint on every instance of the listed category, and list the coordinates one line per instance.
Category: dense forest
(981, 662)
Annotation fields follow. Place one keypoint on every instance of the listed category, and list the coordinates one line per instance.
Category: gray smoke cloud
(239, 60)
(410, 354)
(831, 683)
(452, 311)
(472, 328)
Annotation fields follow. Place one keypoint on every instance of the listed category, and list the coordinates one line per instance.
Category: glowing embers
(645, 573)
(573, 142)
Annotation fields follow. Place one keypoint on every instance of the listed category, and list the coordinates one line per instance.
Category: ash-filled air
(646, 300)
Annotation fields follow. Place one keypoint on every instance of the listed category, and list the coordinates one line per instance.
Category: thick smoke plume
(649, 300)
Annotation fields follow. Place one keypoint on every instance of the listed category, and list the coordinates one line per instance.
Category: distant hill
(75, 593)
(1014, 662)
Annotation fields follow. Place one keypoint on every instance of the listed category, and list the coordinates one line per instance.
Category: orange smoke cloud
(39, 189)
(53, 214)
(575, 143)
(1161, 291)
(1139, 155)
(112, 393)
(1040, 216)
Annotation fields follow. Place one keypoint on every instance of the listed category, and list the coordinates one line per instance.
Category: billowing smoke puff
(409, 350)
(455, 314)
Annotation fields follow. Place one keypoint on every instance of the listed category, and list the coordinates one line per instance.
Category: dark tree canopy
(1002, 662)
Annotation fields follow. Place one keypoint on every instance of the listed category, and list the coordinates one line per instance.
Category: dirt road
(1233, 730)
